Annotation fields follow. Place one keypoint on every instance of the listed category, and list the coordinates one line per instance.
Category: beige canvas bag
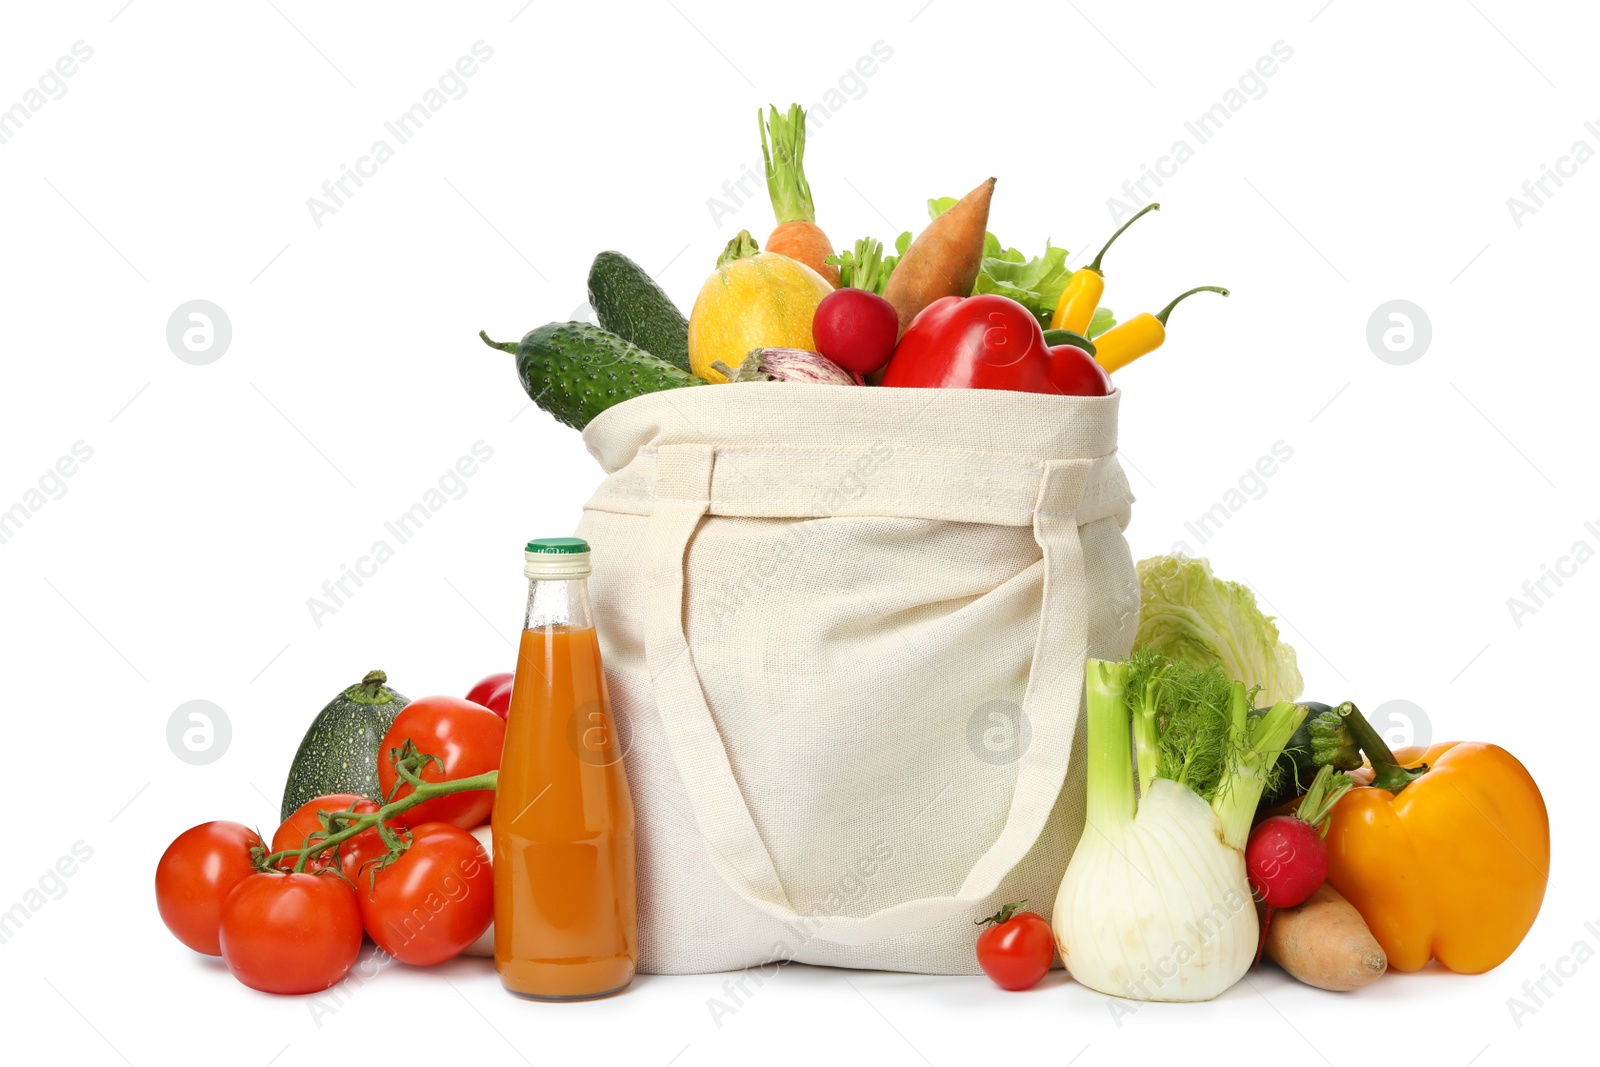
(844, 631)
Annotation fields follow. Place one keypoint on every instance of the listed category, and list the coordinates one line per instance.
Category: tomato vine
(341, 826)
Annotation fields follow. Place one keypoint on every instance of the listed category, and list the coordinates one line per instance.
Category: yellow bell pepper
(1076, 306)
(1444, 850)
(1127, 341)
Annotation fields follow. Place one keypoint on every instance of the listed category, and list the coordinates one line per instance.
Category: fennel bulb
(1155, 904)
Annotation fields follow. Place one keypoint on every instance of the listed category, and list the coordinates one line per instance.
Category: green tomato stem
(423, 792)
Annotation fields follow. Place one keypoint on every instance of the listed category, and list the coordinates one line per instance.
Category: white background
(1376, 165)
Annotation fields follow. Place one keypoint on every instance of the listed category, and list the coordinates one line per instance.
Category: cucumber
(339, 753)
(575, 371)
(630, 304)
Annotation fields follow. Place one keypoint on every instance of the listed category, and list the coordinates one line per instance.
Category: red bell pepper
(988, 342)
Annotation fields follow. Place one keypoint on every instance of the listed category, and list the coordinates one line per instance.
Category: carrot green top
(786, 176)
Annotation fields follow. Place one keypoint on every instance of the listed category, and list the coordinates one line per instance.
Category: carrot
(806, 242)
(1325, 943)
(797, 236)
(944, 259)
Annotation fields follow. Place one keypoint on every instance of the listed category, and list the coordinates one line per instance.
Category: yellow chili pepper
(1445, 851)
(1076, 306)
(1127, 341)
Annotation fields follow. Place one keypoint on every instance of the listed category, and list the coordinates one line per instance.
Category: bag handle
(735, 847)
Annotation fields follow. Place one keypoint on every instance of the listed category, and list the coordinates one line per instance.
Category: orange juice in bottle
(565, 906)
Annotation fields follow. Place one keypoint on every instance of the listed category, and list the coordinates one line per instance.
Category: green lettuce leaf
(1188, 614)
(1103, 320)
(1034, 283)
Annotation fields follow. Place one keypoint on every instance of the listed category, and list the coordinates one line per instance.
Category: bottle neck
(558, 602)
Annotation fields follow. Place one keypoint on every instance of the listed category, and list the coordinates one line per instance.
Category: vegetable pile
(401, 859)
(951, 308)
(1226, 818)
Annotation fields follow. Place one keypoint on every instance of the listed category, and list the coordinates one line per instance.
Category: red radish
(489, 693)
(1285, 857)
(1075, 373)
(856, 329)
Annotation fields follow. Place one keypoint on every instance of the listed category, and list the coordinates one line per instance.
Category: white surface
(178, 563)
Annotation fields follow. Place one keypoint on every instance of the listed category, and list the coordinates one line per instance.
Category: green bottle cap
(564, 546)
(556, 558)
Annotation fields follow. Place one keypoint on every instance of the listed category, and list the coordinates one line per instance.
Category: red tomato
(433, 901)
(1015, 948)
(365, 846)
(194, 877)
(466, 736)
(499, 701)
(488, 693)
(290, 933)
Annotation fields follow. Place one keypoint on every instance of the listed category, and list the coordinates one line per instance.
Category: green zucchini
(339, 753)
(575, 371)
(630, 304)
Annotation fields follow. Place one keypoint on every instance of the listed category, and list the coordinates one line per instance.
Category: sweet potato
(944, 259)
(1325, 943)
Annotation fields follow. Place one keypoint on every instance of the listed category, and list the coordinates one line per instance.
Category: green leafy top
(785, 159)
(1192, 725)
(1181, 719)
(865, 266)
(1034, 283)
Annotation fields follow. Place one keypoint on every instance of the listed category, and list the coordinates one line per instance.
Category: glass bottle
(565, 898)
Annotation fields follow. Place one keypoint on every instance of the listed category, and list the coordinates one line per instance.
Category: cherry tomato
(194, 877)
(433, 901)
(489, 693)
(1015, 948)
(290, 933)
(499, 701)
(365, 846)
(466, 736)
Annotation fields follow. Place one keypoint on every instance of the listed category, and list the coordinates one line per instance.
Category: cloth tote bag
(844, 632)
